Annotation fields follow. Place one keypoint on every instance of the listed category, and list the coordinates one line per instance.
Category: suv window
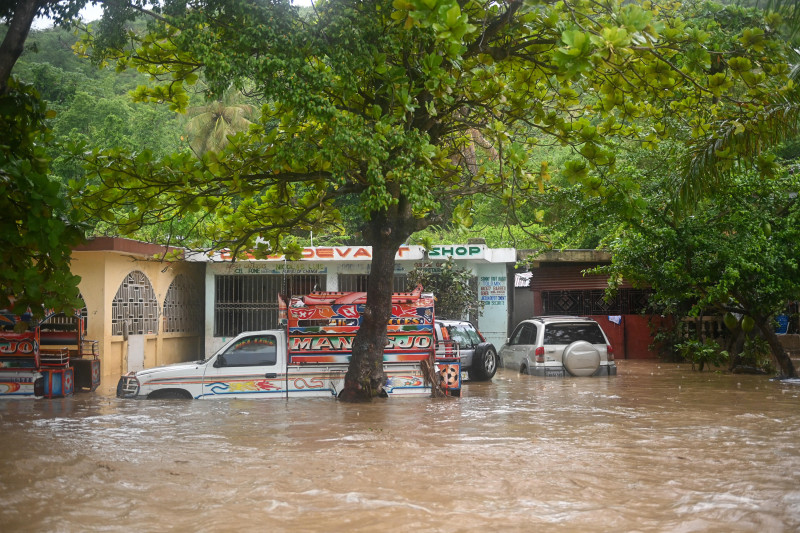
(525, 334)
(461, 336)
(569, 333)
(251, 351)
(473, 335)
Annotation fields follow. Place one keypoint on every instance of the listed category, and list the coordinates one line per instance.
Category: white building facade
(243, 295)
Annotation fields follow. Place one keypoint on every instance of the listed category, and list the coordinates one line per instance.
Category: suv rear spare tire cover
(581, 359)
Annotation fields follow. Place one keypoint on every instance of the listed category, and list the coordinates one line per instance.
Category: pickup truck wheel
(169, 394)
(484, 363)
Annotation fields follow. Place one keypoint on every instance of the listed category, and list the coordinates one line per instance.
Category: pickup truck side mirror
(219, 362)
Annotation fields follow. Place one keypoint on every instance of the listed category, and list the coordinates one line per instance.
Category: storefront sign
(281, 268)
(457, 251)
(346, 252)
(364, 253)
(336, 253)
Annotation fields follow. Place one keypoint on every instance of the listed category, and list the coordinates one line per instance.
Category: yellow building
(143, 311)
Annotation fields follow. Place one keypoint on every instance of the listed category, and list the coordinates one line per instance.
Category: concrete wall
(791, 343)
(631, 338)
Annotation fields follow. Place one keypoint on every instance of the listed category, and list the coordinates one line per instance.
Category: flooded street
(656, 448)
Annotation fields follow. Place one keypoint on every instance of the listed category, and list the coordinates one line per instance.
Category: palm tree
(210, 125)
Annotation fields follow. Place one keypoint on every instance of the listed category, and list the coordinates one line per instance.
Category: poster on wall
(492, 290)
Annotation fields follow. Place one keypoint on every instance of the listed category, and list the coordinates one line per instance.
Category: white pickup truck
(310, 357)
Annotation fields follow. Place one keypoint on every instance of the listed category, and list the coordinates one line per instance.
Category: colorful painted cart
(47, 359)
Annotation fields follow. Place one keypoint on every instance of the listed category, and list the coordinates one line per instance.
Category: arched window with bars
(135, 304)
(183, 311)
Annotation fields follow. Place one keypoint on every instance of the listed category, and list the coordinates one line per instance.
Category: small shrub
(702, 353)
(756, 354)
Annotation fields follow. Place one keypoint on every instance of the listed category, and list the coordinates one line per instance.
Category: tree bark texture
(14, 42)
(785, 365)
(365, 377)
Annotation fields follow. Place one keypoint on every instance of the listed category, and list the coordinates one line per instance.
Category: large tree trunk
(365, 377)
(14, 42)
(783, 360)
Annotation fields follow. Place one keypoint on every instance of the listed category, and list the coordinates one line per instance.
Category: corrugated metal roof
(568, 277)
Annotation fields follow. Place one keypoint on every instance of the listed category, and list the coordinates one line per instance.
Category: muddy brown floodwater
(656, 448)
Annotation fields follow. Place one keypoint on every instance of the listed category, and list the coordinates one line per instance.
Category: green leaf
(753, 38)
(739, 64)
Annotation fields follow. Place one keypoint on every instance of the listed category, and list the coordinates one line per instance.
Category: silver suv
(478, 357)
(559, 346)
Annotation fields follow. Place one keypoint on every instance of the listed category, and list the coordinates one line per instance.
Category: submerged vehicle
(310, 357)
(559, 346)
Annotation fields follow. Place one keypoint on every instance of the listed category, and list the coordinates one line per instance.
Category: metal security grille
(183, 307)
(358, 283)
(135, 305)
(593, 302)
(250, 302)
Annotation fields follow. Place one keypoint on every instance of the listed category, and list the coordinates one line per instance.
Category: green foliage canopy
(380, 101)
(92, 106)
(37, 225)
(737, 252)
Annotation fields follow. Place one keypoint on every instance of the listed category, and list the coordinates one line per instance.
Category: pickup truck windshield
(258, 350)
